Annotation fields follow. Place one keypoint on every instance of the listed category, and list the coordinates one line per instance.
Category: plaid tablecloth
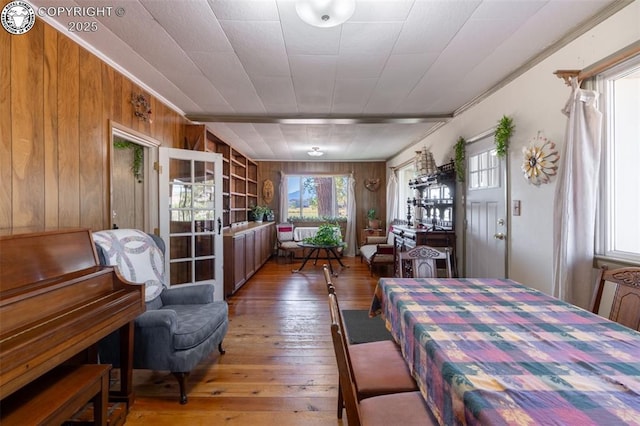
(494, 352)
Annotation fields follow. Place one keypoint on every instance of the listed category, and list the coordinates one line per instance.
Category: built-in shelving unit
(239, 174)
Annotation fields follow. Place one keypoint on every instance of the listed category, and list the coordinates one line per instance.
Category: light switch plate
(516, 207)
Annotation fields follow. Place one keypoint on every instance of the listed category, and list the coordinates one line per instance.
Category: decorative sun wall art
(540, 158)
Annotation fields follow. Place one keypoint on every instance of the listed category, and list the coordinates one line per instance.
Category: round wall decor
(540, 158)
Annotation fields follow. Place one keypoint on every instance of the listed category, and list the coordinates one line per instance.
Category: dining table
(496, 352)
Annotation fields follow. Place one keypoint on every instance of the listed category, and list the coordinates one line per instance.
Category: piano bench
(57, 395)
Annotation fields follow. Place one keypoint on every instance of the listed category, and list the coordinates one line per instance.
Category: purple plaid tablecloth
(494, 352)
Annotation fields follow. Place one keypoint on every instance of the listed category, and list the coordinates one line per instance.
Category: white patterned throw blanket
(137, 257)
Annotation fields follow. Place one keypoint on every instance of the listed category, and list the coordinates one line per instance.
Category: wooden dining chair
(402, 408)
(378, 368)
(421, 262)
(625, 308)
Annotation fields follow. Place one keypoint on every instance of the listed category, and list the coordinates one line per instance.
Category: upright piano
(56, 303)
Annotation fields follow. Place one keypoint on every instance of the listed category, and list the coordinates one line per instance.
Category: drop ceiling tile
(276, 91)
(369, 38)
(259, 45)
(245, 10)
(352, 95)
(432, 24)
(360, 65)
(384, 11)
(193, 14)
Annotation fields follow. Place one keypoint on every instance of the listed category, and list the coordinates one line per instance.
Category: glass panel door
(191, 216)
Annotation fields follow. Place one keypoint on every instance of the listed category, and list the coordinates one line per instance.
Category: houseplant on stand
(374, 222)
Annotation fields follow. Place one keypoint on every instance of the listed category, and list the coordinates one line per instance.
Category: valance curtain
(392, 198)
(576, 198)
(350, 238)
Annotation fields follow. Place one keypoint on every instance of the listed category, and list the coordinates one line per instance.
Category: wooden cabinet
(433, 211)
(246, 249)
(434, 201)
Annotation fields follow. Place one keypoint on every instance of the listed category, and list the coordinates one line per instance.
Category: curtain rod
(401, 165)
(610, 61)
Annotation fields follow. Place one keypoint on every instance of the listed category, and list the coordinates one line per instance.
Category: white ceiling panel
(393, 58)
(245, 10)
(209, 37)
(369, 38)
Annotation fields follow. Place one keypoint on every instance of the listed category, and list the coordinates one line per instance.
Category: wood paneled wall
(56, 100)
(365, 199)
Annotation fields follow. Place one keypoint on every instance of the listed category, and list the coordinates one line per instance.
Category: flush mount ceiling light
(325, 13)
(315, 151)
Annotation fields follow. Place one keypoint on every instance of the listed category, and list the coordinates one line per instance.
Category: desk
(330, 251)
(494, 352)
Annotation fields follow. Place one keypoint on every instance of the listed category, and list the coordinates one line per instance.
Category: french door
(191, 216)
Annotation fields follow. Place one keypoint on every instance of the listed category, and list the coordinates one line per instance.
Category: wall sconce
(142, 107)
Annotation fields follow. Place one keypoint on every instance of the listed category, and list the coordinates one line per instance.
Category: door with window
(191, 217)
(485, 212)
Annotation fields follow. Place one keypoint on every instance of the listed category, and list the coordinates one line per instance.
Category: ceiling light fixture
(325, 13)
(315, 151)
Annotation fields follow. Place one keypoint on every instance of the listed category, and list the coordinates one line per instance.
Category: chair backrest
(137, 256)
(625, 308)
(284, 232)
(347, 384)
(327, 279)
(423, 261)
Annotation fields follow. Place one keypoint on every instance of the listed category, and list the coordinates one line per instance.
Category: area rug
(362, 329)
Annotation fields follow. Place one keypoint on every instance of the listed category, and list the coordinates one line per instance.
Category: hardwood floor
(279, 367)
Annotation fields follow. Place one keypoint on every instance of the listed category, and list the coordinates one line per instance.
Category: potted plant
(374, 222)
(259, 212)
(328, 235)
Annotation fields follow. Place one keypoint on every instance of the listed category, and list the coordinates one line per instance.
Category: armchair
(377, 251)
(181, 325)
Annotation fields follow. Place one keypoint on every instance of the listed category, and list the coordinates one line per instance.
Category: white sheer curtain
(576, 197)
(350, 238)
(392, 198)
(284, 200)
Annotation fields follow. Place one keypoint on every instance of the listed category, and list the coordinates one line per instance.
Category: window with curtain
(312, 196)
(618, 234)
(405, 174)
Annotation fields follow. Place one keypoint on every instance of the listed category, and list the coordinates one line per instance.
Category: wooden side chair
(421, 262)
(286, 242)
(625, 308)
(378, 368)
(403, 408)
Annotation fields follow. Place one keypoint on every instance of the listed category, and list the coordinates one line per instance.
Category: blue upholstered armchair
(182, 325)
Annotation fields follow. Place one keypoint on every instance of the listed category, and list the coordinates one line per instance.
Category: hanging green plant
(460, 157)
(502, 134)
(138, 156)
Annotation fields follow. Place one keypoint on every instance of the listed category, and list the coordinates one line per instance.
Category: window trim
(604, 83)
(334, 200)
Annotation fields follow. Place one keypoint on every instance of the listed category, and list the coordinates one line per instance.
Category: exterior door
(485, 211)
(191, 217)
